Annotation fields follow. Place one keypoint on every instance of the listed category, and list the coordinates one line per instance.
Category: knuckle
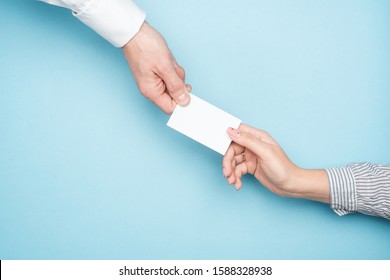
(180, 71)
(146, 93)
(250, 138)
(264, 132)
(267, 134)
(175, 88)
(143, 89)
(165, 66)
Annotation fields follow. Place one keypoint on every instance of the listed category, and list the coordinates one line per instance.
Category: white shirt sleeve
(115, 20)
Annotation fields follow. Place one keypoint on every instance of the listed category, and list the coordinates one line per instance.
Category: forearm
(115, 20)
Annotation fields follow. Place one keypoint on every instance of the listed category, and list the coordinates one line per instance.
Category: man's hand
(159, 78)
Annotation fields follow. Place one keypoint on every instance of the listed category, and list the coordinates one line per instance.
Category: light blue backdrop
(89, 170)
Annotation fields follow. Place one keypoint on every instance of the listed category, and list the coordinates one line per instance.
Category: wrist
(310, 184)
(136, 35)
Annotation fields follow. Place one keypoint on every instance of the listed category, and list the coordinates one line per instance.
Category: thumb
(175, 85)
(249, 141)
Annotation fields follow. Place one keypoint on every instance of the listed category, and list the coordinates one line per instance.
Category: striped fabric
(360, 187)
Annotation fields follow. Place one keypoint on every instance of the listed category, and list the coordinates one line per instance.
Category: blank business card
(204, 123)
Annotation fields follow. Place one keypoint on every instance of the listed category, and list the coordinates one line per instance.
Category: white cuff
(115, 20)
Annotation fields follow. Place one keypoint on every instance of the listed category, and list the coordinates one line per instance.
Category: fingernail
(224, 172)
(234, 133)
(183, 99)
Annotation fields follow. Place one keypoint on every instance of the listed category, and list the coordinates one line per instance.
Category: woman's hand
(254, 151)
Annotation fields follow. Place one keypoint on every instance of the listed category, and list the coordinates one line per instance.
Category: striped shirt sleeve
(360, 187)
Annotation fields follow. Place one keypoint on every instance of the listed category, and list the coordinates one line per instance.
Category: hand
(254, 151)
(159, 78)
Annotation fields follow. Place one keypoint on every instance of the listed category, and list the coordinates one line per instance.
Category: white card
(204, 123)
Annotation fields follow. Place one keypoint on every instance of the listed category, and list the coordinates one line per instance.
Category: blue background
(89, 169)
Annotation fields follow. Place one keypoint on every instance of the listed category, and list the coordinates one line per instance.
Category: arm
(360, 187)
(122, 23)
(115, 20)
(363, 188)
(254, 151)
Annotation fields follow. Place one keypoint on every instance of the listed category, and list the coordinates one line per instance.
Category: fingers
(258, 133)
(172, 77)
(228, 163)
(240, 158)
(234, 165)
(249, 140)
(240, 170)
(188, 87)
(180, 72)
(235, 178)
(165, 102)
